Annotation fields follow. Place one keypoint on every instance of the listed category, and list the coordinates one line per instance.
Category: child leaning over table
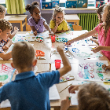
(37, 23)
(91, 96)
(2, 16)
(27, 91)
(5, 29)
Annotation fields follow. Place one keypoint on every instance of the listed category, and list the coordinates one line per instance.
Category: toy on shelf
(61, 39)
(39, 53)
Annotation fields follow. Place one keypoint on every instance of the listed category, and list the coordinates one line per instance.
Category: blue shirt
(29, 92)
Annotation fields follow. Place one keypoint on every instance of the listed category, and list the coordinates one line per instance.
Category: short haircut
(4, 24)
(2, 9)
(23, 55)
(93, 97)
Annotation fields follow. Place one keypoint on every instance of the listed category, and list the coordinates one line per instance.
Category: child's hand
(69, 42)
(106, 67)
(65, 104)
(59, 49)
(5, 47)
(16, 28)
(73, 88)
(35, 33)
(96, 49)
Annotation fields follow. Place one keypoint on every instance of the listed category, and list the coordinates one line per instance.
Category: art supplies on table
(39, 53)
(91, 70)
(6, 72)
(61, 39)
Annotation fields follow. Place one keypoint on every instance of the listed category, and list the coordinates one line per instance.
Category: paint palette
(61, 39)
(39, 39)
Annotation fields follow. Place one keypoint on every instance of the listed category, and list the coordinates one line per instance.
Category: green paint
(3, 77)
(100, 75)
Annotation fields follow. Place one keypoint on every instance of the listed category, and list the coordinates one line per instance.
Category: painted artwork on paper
(91, 70)
(6, 72)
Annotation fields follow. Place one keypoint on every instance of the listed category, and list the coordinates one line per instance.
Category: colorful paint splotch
(6, 72)
(91, 70)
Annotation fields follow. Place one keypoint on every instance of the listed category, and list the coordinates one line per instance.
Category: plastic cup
(57, 64)
(53, 38)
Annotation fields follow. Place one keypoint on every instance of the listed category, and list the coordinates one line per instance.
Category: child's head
(5, 29)
(93, 97)
(106, 19)
(34, 10)
(2, 12)
(58, 14)
(23, 55)
(99, 13)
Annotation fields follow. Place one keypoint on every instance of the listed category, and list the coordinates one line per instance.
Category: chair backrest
(28, 28)
(77, 27)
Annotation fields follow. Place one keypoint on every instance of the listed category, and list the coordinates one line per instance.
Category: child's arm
(5, 56)
(106, 67)
(13, 34)
(73, 88)
(66, 65)
(47, 26)
(7, 45)
(97, 49)
(61, 31)
(65, 104)
(34, 30)
(96, 41)
(87, 34)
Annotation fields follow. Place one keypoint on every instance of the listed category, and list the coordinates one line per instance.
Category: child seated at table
(91, 96)
(5, 29)
(2, 16)
(103, 30)
(58, 24)
(28, 91)
(37, 23)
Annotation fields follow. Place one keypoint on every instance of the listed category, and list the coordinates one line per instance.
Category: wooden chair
(28, 28)
(77, 28)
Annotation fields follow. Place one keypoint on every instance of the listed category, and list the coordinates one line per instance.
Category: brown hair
(5, 25)
(99, 11)
(2, 8)
(107, 21)
(23, 55)
(93, 96)
(31, 7)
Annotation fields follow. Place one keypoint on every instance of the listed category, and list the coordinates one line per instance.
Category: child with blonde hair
(5, 29)
(58, 23)
(103, 30)
(37, 23)
(91, 96)
(2, 16)
(27, 91)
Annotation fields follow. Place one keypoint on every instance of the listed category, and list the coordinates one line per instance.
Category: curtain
(15, 6)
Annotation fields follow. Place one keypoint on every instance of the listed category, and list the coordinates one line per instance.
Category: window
(2, 1)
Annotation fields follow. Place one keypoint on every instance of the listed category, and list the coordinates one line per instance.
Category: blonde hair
(93, 97)
(56, 11)
(2, 9)
(23, 55)
(4, 24)
(107, 21)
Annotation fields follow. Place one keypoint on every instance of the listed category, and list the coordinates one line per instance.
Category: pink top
(101, 40)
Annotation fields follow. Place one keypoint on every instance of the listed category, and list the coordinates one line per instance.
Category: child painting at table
(58, 24)
(91, 96)
(5, 29)
(28, 91)
(37, 23)
(99, 14)
(103, 30)
(2, 16)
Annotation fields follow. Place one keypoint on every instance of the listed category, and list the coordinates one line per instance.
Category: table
(18, 19)
(47, 65)
(72, 18)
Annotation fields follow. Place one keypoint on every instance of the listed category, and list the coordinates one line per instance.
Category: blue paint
(87, 74)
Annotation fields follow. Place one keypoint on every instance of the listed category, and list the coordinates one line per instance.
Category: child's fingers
(103, 66)
(71, 89)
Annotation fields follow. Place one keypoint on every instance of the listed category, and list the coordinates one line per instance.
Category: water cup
(57, 64)
(53, 38)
